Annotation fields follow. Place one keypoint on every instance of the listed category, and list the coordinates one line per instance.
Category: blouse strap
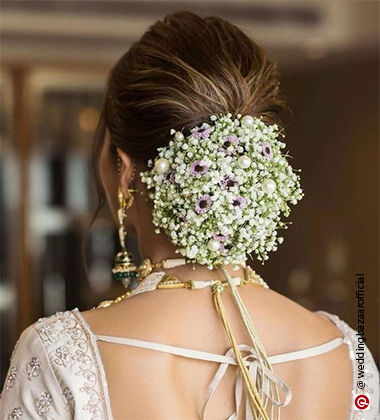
(309, 352)
(218, 358)
(179, 351)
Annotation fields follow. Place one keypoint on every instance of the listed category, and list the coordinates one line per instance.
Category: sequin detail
(63, 357)
(43, 403)
(11, 378)
(16, 414)
(68, 398)
(33, 368)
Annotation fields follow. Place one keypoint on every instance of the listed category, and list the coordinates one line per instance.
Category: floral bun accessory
(219, 192)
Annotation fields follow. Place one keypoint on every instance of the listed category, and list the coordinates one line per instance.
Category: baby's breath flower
(207, 195)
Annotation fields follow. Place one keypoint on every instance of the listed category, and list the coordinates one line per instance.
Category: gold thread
(253, 394)
(256, 342)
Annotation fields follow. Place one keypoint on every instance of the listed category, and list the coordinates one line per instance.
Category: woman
(188, 154)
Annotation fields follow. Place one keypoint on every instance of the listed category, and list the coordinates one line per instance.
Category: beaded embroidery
(43, 403)
(16, 414)
(33, 368)
(11, 378)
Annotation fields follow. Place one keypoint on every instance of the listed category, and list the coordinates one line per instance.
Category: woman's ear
(126, 170)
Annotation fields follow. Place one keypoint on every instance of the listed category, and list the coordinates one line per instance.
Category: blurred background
(55, 56)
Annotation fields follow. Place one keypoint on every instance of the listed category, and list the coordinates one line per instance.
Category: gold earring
(125, 268)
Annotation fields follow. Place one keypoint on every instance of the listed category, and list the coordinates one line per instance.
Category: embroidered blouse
(56, 371)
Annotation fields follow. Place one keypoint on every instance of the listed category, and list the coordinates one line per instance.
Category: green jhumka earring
(125, 268)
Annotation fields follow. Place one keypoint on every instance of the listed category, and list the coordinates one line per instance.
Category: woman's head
(182, 70)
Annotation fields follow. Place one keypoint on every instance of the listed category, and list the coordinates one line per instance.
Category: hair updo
(183, 69)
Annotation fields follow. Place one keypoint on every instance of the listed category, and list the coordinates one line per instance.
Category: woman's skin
(151, 385)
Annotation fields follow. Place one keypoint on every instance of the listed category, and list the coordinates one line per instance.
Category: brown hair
(183, 69)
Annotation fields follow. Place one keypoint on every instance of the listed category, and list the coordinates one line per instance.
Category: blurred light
(88, 119)
(44, 220)
(299, 280)
(7, 297)
(11, 177)
(315, 48)
(77, 192)
(336, 291)
(336, 256)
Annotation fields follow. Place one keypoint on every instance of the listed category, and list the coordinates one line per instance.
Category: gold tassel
(254, 397)
(262, 358)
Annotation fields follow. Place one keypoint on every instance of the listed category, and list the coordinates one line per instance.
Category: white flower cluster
(218, 193)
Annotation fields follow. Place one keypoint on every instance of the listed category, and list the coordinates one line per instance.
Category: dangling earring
(125, 268)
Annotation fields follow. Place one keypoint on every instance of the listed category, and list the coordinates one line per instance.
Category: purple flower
(182, 218)
(227, 142)
(220, 237)
(267, 150)
(203, 204)
(169, 176)
(223, 248)
(240, 202)
(201, 132)
(227, 182)
(197, 168)
(230, 141)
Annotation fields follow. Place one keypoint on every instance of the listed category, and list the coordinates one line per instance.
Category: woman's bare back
(149, 385)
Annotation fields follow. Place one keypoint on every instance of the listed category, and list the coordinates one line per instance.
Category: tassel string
(262, 359)
(254, 397)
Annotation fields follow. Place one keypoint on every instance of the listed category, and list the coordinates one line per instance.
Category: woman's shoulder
(56, 334)
(66, 330)
(282, 324)
(54, 370)
(44, 333)
(286, 325)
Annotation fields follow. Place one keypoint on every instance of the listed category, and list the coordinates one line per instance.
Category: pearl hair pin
(178, 136)
(161, 166)
(244, 162)
(247, 121)
(213, 245)
(269, 186)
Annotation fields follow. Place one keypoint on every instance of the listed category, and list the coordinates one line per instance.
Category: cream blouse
(56, 371)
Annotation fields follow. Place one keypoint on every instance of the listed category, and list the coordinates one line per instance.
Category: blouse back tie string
(254, 367)
(229, 359)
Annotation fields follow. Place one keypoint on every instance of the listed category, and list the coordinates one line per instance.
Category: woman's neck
(157, 247)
